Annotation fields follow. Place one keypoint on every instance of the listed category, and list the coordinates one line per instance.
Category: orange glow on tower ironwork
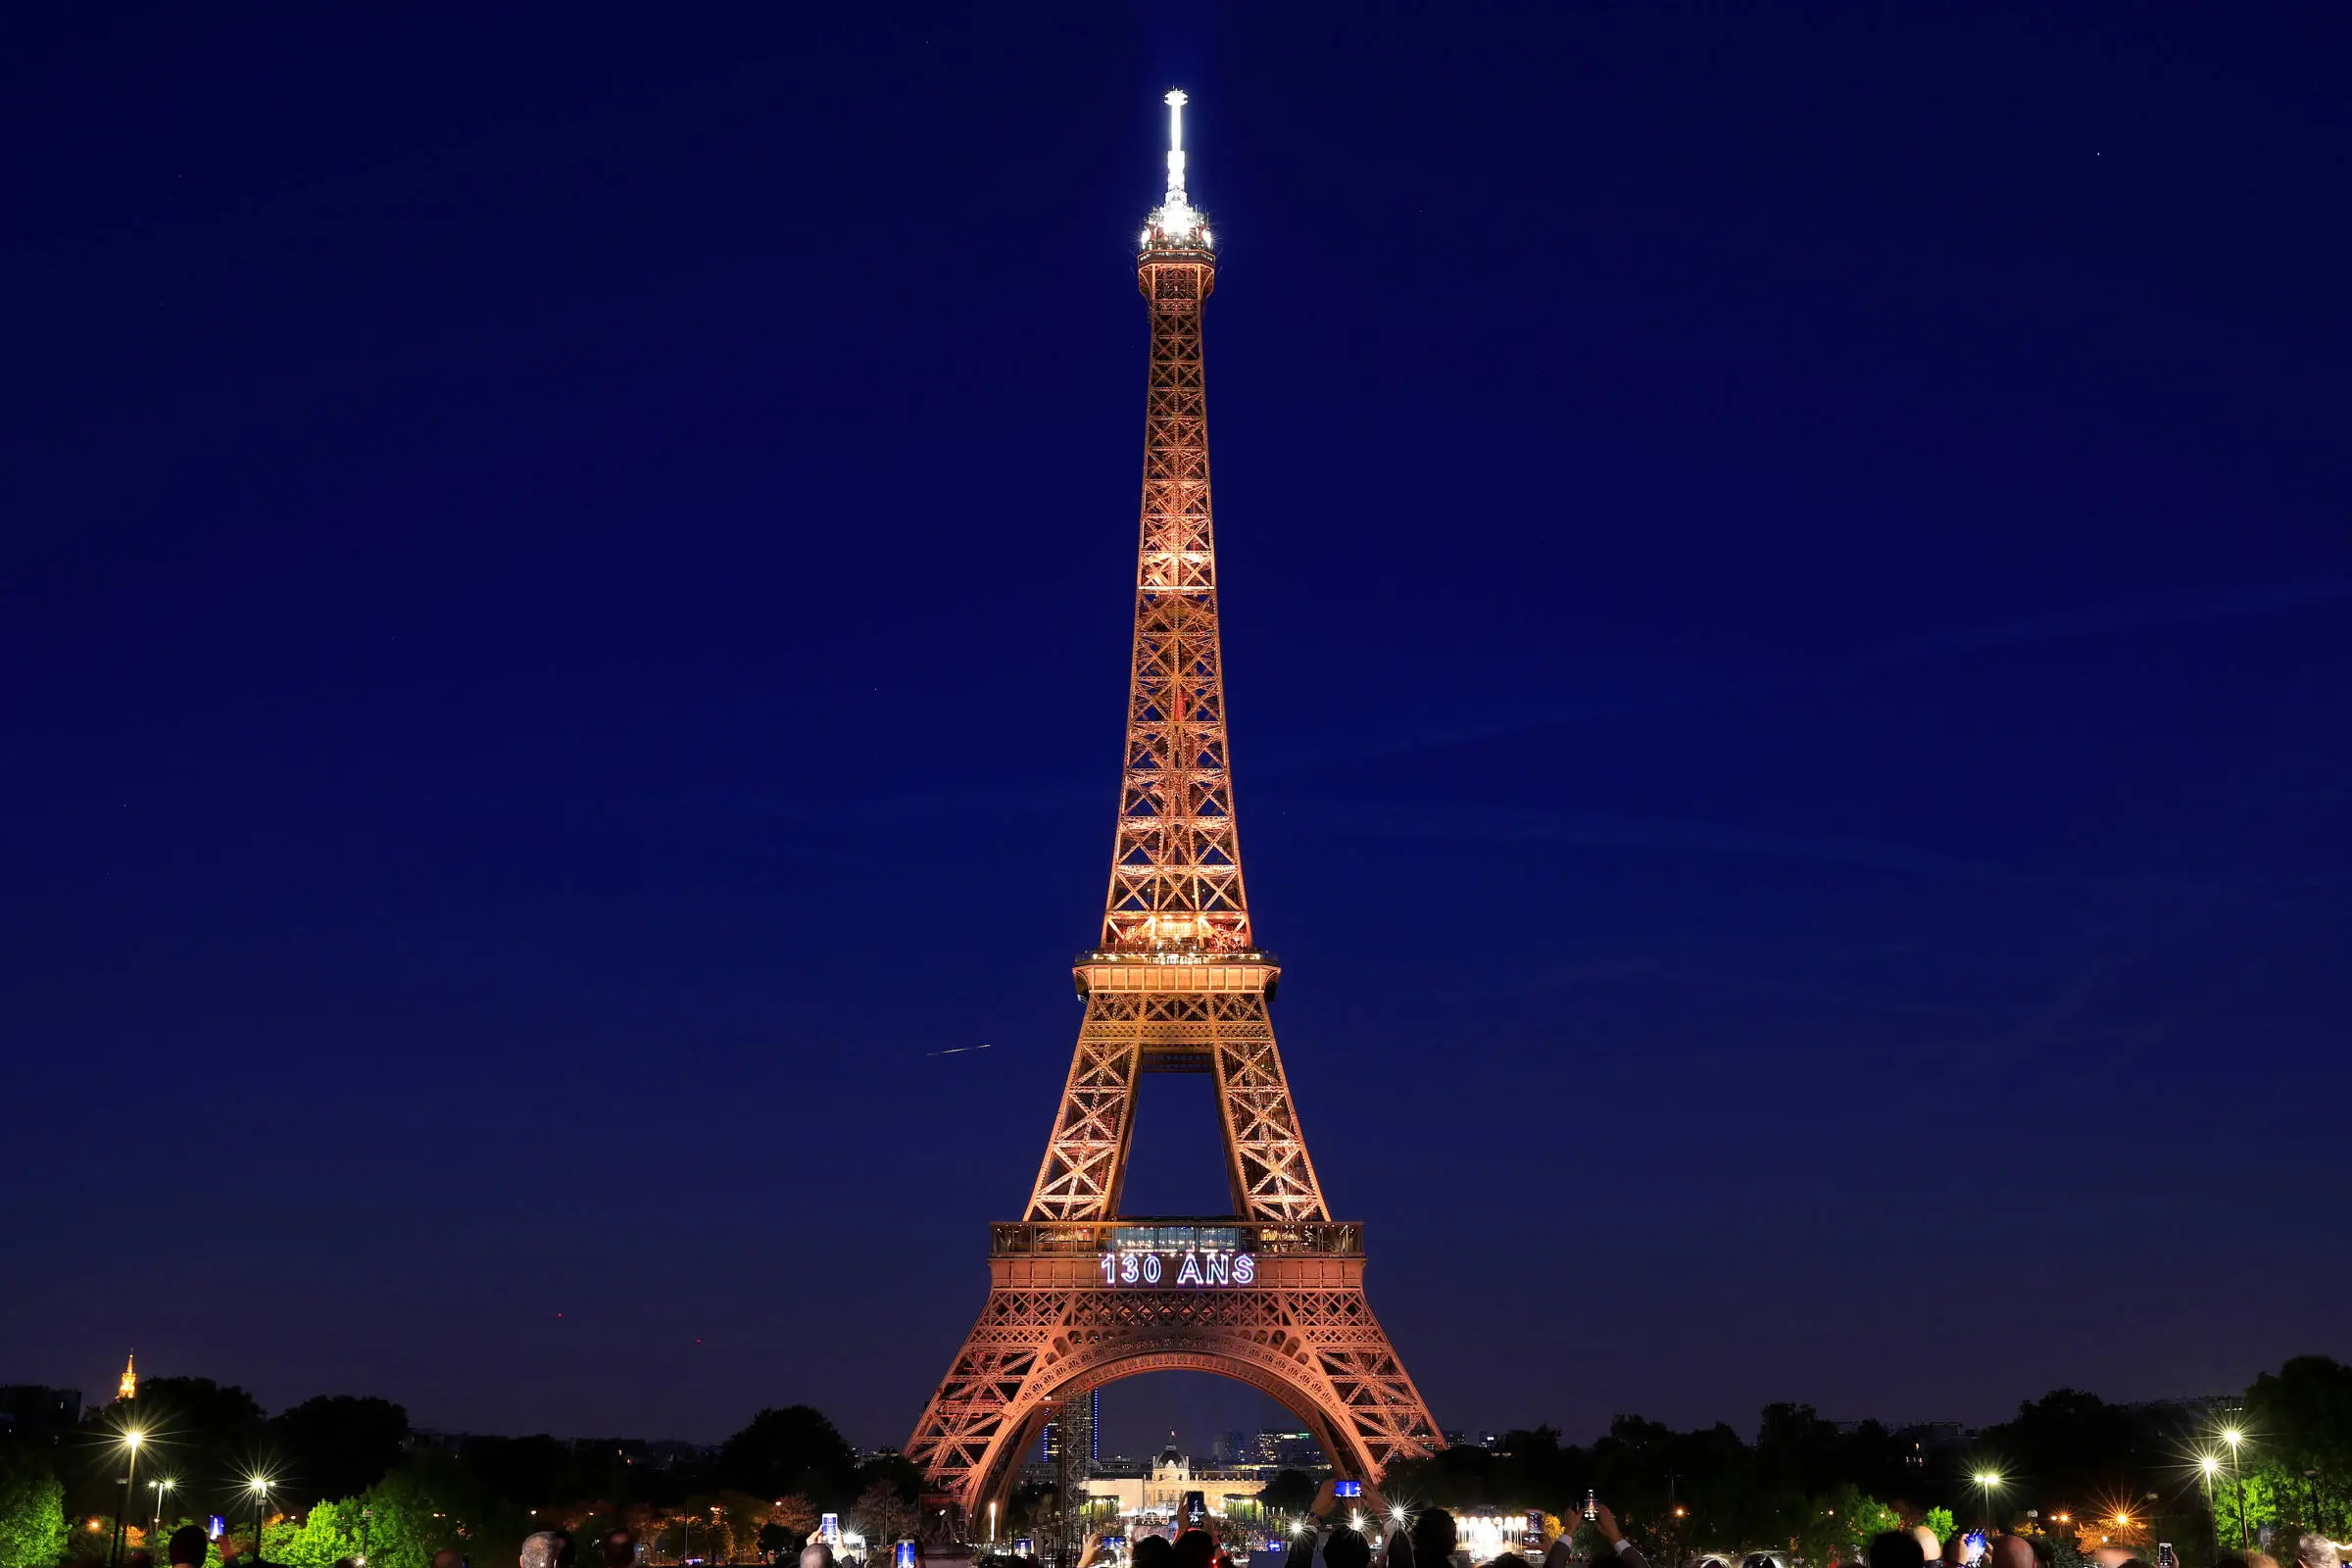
(1270, 1294)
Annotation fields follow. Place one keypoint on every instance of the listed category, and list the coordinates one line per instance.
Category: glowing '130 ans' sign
(1193, 1268)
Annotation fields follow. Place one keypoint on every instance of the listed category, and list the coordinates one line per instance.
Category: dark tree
(1289, 1492)
(893, 1470)
(2304, 1411)
(1797, 1451)
(525, 1473)
(337, 1445)
(2070, 1448)
(788, 1451)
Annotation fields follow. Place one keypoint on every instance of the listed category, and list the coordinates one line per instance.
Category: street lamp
(1987, 1480)
(130, 1471)
(260, 1486)
(2238, 1473)
(160, 1487)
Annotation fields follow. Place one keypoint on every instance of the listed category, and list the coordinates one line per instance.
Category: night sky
(1789, 611)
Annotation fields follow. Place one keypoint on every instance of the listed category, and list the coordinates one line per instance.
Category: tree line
(349, 1476)
(2069, 1464)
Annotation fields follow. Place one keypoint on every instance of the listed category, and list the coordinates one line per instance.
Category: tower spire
(1175, 223)
(1176, 862)
(1176, 101)
(128, 1388)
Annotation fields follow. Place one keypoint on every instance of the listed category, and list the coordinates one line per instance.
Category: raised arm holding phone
(1597, 1514)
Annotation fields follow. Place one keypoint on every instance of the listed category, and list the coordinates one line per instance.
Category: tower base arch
(1052, 1330)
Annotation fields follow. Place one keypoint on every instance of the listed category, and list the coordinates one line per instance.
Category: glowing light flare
(2233, 1436)
(133, 1440)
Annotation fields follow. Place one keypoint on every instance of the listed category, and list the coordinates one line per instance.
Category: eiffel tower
(1079, 1295)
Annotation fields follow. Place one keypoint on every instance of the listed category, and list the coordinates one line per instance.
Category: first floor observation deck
(1147, 1252)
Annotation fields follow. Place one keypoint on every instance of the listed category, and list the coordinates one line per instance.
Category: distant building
(128, 1388)
(1161, 1495)
(629, 1450)
(1924, 1443)
(2212, 1406)
(1294, 1450)
(1084, 1422)
(37, 1413)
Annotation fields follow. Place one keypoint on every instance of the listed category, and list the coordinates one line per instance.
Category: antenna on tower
(1174, 222)
(1176, 101)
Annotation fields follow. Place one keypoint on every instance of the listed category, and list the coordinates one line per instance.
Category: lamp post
(2238, 1473)
(1986, 1481)
(130, 1471)
(160, 1487)
(2310, 1480)
(260, 1486)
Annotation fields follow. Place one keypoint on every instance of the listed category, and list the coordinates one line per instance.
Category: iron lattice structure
(1177, 985)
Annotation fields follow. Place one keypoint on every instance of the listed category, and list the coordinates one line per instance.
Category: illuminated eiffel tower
(1272, 1293)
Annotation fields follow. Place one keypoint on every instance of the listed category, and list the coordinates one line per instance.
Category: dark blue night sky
(1787, 575)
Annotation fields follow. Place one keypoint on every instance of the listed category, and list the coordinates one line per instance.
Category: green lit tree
(330, 1531)
(1839, 1524)
(2300, 1422)
(32, 1510)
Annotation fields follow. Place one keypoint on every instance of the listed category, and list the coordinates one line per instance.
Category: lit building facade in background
(1156, 1497)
